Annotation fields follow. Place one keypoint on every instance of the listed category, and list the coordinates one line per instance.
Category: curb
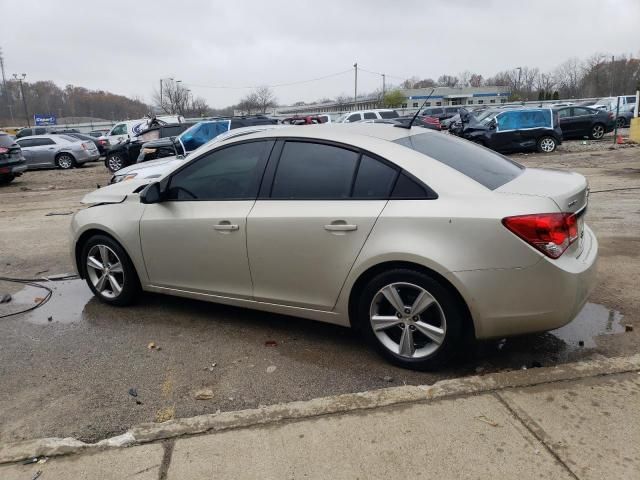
(151, 432)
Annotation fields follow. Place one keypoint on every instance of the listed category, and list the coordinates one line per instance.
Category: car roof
(51, 136)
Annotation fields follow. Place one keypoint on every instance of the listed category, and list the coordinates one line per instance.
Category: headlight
(122, 178)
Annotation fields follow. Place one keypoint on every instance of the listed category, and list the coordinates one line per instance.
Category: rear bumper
(542, 297)
(13, 168)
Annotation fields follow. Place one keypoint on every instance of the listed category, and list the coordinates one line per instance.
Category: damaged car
(512, 130)
(418, 240)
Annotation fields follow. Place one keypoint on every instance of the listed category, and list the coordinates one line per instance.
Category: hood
(161, 142)
(115, 193)
(141, 167)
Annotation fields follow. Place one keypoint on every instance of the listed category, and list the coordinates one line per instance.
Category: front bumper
(542, 297)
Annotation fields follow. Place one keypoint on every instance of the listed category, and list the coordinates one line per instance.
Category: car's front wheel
(597, 131)
(547, 144)
(109, 271)
(412, 319)
(114, 162)
(622, 122)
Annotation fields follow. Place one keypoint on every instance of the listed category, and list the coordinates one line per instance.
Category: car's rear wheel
(114, 162)
(597, 131)
(412, 319)
(65, 161)
(109, 271)
(547, 144)
(622, 122)
(6, 179)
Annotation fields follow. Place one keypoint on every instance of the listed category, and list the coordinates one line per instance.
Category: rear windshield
(391, 114)
(6, 141)
(480, 164)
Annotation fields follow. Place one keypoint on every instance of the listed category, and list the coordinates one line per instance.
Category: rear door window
(482, 165)
(41, 142)
(310, 171)
(391, 114)
(369, 115)
(581, 112)
(354, 117)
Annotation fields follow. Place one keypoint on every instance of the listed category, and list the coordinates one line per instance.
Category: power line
(381, 73)
(229, 87)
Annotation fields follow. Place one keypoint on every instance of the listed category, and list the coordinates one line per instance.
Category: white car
(419, 240)
(156, 168)
(121, 131)
(376, 114)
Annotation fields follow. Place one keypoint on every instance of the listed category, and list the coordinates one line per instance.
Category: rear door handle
(340, 227)
(226, 227)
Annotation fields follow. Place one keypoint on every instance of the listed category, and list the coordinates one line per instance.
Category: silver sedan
(419, 240)
(63, 151)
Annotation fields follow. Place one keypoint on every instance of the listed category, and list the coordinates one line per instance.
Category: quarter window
(314, 171)
(231, 173)
(354, 117)
(408, 189)
(374, 179)
(369, 116)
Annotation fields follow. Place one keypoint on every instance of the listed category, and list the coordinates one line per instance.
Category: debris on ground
(628, 327)
(211, 367)
(151, 345)
(204, 394)
(387, 378)
(51, 214)
(5, 298)
(41, 272)
(484, 419)
(270, 343)
(43, 460)
(165, 414)
(49, 319)
(36, 475)
(133, 392)
(271, 368)
(29, 461)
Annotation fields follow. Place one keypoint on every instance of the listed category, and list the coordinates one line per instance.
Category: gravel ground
(71, 376)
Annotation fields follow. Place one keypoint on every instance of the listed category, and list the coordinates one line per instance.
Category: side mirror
(492, 125)
(152, 193)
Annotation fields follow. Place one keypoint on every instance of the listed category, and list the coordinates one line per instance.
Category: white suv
(379, 113)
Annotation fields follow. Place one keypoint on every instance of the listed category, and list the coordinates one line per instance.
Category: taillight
(4, 150)
(551, 233)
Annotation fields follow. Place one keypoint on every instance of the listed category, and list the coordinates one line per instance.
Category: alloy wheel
(408, 320)
(597, 131)
(547, 145)
(105, 271)
(115, 163)
(65, 161)
(621, 122)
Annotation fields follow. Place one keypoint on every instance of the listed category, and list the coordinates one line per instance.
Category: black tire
(6, 179)
(114, 162)
(65, 161)
(547, 144)
(622, 122)
(597, 131)
(450, 306)
(130, 284)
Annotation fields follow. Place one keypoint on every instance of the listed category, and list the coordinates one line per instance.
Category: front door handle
(226, 227)
(340, 227)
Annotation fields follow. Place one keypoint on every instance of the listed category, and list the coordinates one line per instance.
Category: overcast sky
(127, 46)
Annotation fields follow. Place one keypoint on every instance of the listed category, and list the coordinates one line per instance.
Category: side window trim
(268, 177)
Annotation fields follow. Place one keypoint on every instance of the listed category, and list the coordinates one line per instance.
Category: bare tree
(476, 80)
(249, 104)
(264, 99)
(175, 98)
(569, 76)
(198, 107)
(410, 83)
(343, 100)
(425, 83)
(464, 78)
(447, 81)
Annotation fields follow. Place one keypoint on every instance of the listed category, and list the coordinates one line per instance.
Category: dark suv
(126, 153)
(12, 163)
(196, 136)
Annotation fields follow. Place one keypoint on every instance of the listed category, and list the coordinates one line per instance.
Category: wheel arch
(82, 240)
(367, 275)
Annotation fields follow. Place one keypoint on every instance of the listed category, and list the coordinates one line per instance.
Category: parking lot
(76, 367)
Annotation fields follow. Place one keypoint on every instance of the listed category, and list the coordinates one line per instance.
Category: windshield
(202, 132)
(480, 164)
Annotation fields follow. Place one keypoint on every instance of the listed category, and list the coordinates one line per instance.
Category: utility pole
(384, 85)
(160, 93)
(613, 59)
(519, 74)
(355, 88)
(24, 100)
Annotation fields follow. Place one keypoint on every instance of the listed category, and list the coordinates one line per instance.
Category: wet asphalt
(73, 366)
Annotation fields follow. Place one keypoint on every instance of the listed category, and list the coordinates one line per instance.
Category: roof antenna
(408, 126)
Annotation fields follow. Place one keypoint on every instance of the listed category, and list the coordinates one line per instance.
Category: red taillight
(3, 150)
(551, 233)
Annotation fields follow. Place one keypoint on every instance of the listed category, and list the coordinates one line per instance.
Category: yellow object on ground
(634, 132)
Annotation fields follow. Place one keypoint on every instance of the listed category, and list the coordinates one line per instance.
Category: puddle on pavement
(592, 321)
(66, 304)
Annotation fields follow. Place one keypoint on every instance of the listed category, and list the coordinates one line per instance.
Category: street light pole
(24, 100)
(355, 89)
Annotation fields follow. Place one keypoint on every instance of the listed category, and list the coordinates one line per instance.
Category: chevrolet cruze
(416, 238)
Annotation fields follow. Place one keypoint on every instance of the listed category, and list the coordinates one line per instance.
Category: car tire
(114, 162)
(109, 272)
(65, 161)
(621, 122)
(6, 179)
(401, 340)
(597, 131)
(547, 144)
